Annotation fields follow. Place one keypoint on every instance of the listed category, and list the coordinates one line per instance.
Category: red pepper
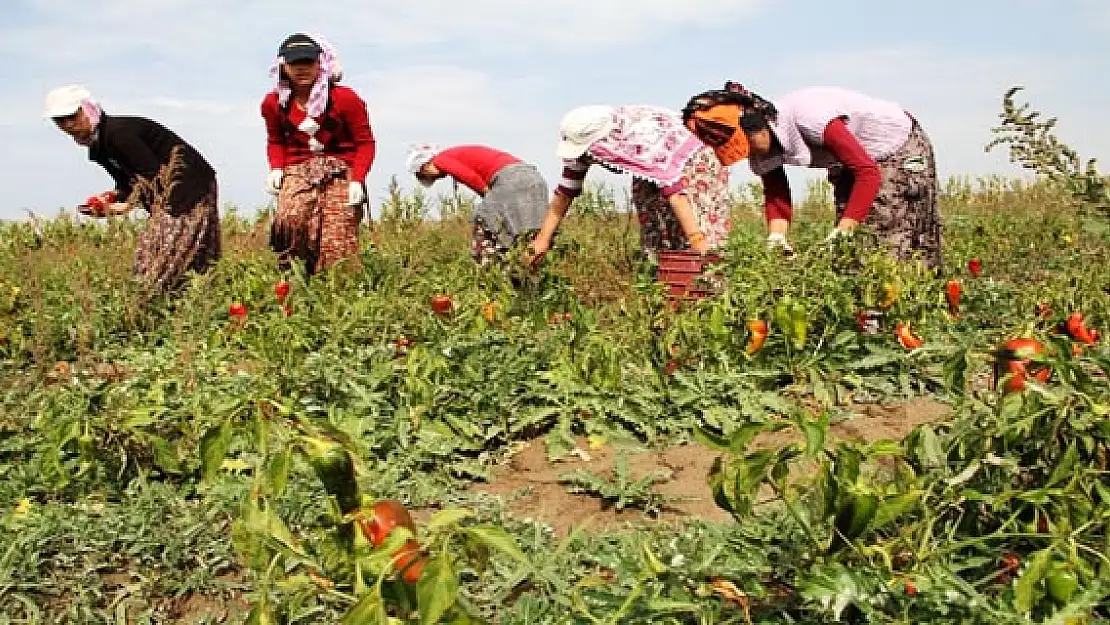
(906, 337)
(1077, 328)
(758, 329)
(281, 290)
(1015, 358)
(952, 293)
(975, 266)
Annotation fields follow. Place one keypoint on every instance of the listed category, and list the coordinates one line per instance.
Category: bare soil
(529, 483)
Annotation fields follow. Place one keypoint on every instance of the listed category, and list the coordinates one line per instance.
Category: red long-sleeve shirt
(473, 165)
(843, 145)
(344, 131)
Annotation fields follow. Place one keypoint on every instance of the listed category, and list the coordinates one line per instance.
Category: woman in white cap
(320, 148)
(514, 193)
(184, 228)
(679, 187)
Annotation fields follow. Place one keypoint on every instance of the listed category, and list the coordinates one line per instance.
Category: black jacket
(128, 147)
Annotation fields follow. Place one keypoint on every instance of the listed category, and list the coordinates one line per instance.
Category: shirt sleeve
(449, 163)
(777, 203)
(354, 113)
(275, 145)
(675, 188)
(123, 185)
(867, 179)
(131, 149)
(574, 176)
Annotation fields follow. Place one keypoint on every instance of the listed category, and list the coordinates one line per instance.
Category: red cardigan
(473, 165)
(867, 179)
(344, 131)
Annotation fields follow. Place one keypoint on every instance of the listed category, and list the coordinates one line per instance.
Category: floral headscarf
(331, 72)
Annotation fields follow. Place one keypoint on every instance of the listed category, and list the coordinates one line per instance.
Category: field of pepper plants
(421, 440)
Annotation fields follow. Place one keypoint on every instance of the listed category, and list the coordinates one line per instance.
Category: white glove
(355, 194)
(778, 240)
(273, 181)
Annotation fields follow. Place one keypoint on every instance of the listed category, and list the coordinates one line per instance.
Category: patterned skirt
(173, 245)
(905, 214)
(706, 187)
(511, 212)
(313, 222)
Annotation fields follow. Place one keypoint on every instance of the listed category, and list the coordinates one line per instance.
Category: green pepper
(86, 447)
(1061, 583)
(798, 325)
(782, 316)
(335, 469)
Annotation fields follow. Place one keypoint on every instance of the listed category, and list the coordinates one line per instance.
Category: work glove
(273, 181)
(778, 241)
(356, 195)
(837, 234)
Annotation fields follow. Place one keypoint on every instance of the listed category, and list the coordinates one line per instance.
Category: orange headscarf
(719, 128)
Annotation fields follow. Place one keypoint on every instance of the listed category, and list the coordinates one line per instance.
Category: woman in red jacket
(514, 193)
(320, 148)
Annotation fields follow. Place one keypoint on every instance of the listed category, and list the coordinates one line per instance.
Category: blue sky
(502, 72)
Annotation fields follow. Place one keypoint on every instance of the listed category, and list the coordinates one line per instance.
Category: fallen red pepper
(906, 337)
(758, 330)
(1015, 359)
(1078, 330)
(952, 293)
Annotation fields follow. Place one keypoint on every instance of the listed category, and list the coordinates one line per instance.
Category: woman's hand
(684, 213)
(97, 205)
(537, 250)
(556, 210)
(698, 242)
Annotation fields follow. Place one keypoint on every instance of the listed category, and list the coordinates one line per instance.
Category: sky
(503, 72)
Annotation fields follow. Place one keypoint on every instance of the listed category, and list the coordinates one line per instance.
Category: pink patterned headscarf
(648, 142)
(92, 111)
(331, 71)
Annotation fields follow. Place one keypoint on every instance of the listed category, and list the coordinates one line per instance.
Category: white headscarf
(419, 155)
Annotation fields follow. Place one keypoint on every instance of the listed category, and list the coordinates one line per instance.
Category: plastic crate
(680, 272)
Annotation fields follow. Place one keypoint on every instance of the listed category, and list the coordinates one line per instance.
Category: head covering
(718, 125)
(331, 71)
(646, 141)
(420, 155)
(299, 47)
(752, 101)
(65, 101)
(581, 127)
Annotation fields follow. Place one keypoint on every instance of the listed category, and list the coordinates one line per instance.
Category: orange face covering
(719, 128)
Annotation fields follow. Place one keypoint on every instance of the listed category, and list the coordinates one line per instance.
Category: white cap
(419, 156)
(581, 127)
(65, 101)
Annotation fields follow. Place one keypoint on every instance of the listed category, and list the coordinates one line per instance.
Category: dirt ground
(529, 484)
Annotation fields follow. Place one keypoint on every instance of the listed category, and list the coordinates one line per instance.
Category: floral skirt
(905, 215)
(171, 246)
(706, 186)
(313, 222)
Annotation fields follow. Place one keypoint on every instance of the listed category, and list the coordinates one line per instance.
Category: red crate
(680, 271)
